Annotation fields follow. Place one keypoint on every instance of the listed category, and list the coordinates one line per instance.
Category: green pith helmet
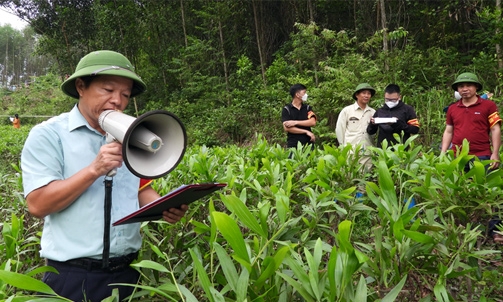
(103, 62)
(466, 77)
(364, 86)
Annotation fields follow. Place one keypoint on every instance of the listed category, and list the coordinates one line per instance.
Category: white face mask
(457, 96)
(391, 104)
(304, 97)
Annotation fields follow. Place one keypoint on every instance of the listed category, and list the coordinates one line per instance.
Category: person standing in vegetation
(405, 124)
(477, 120)
(16, 123)
(354, 119)
(473, 118)
(298, 118)
(64, 162)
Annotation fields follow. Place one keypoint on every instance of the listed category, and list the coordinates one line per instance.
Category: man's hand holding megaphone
(109, 158)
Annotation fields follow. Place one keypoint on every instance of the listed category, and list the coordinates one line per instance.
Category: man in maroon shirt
(472, 118)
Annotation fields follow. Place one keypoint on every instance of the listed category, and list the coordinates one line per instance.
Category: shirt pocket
(353, 124)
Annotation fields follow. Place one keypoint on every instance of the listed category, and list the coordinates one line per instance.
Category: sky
(13, 20)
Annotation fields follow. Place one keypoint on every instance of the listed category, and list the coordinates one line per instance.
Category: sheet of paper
(384, 120)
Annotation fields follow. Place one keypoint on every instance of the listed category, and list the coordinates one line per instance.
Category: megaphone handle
(111, 139)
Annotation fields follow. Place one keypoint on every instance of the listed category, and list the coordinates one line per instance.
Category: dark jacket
(291, 113)
(407, 122)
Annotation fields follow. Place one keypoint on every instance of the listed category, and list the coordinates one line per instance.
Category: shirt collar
(357, 107)
(479, 100)
(77, 120)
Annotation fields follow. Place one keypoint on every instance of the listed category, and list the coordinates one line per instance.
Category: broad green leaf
(213, 226)
(25, 282)
(362, 258)
(314, 265)
(179, 288)
(157, 251)
(477, 172)
(282, 205)
(361, 290)
(41, 269)
(441, 293)
(418, 237)
(272, 266)
(245, 216)
(300, 273)
(200, 228)
(203, 276)
(242, 285)
(397, 229)
(151, 265)
(343, 236)
(331, 274)
(280, 255)
(386, 183)
(264, 212)
(227, 266)
(393, 294)
(298, 287)
(268, 269)
(231, 232)
(162, 292)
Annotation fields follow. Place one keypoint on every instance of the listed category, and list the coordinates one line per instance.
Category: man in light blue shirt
(64, 163)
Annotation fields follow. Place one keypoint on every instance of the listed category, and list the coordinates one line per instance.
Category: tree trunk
(121, 31)
(6, 77)
(259, 43)
(183, 24)
(311, 13)
(383, 25)
(354, 17)
(384, 31)
(226, 73)
(499, 55)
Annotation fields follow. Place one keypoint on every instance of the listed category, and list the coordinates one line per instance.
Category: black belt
(114, 264)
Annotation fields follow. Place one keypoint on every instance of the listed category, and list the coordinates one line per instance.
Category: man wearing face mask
(405, 116)
(298, 118)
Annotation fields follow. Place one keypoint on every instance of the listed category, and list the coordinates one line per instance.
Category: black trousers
(91, 284)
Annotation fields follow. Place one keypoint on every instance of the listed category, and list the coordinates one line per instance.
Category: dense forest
(214, 63)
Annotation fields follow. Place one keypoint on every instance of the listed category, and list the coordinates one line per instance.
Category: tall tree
(258, 37)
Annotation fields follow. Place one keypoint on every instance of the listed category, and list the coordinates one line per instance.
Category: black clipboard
(184, 194)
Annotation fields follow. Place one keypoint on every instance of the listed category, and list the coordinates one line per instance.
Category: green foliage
(219, 110)
(37, 101)
(275, 233)
(11, 144)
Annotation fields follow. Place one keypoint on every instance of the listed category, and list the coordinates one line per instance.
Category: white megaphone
(152, 144)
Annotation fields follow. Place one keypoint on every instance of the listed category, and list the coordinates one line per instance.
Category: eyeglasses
(391, 100)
